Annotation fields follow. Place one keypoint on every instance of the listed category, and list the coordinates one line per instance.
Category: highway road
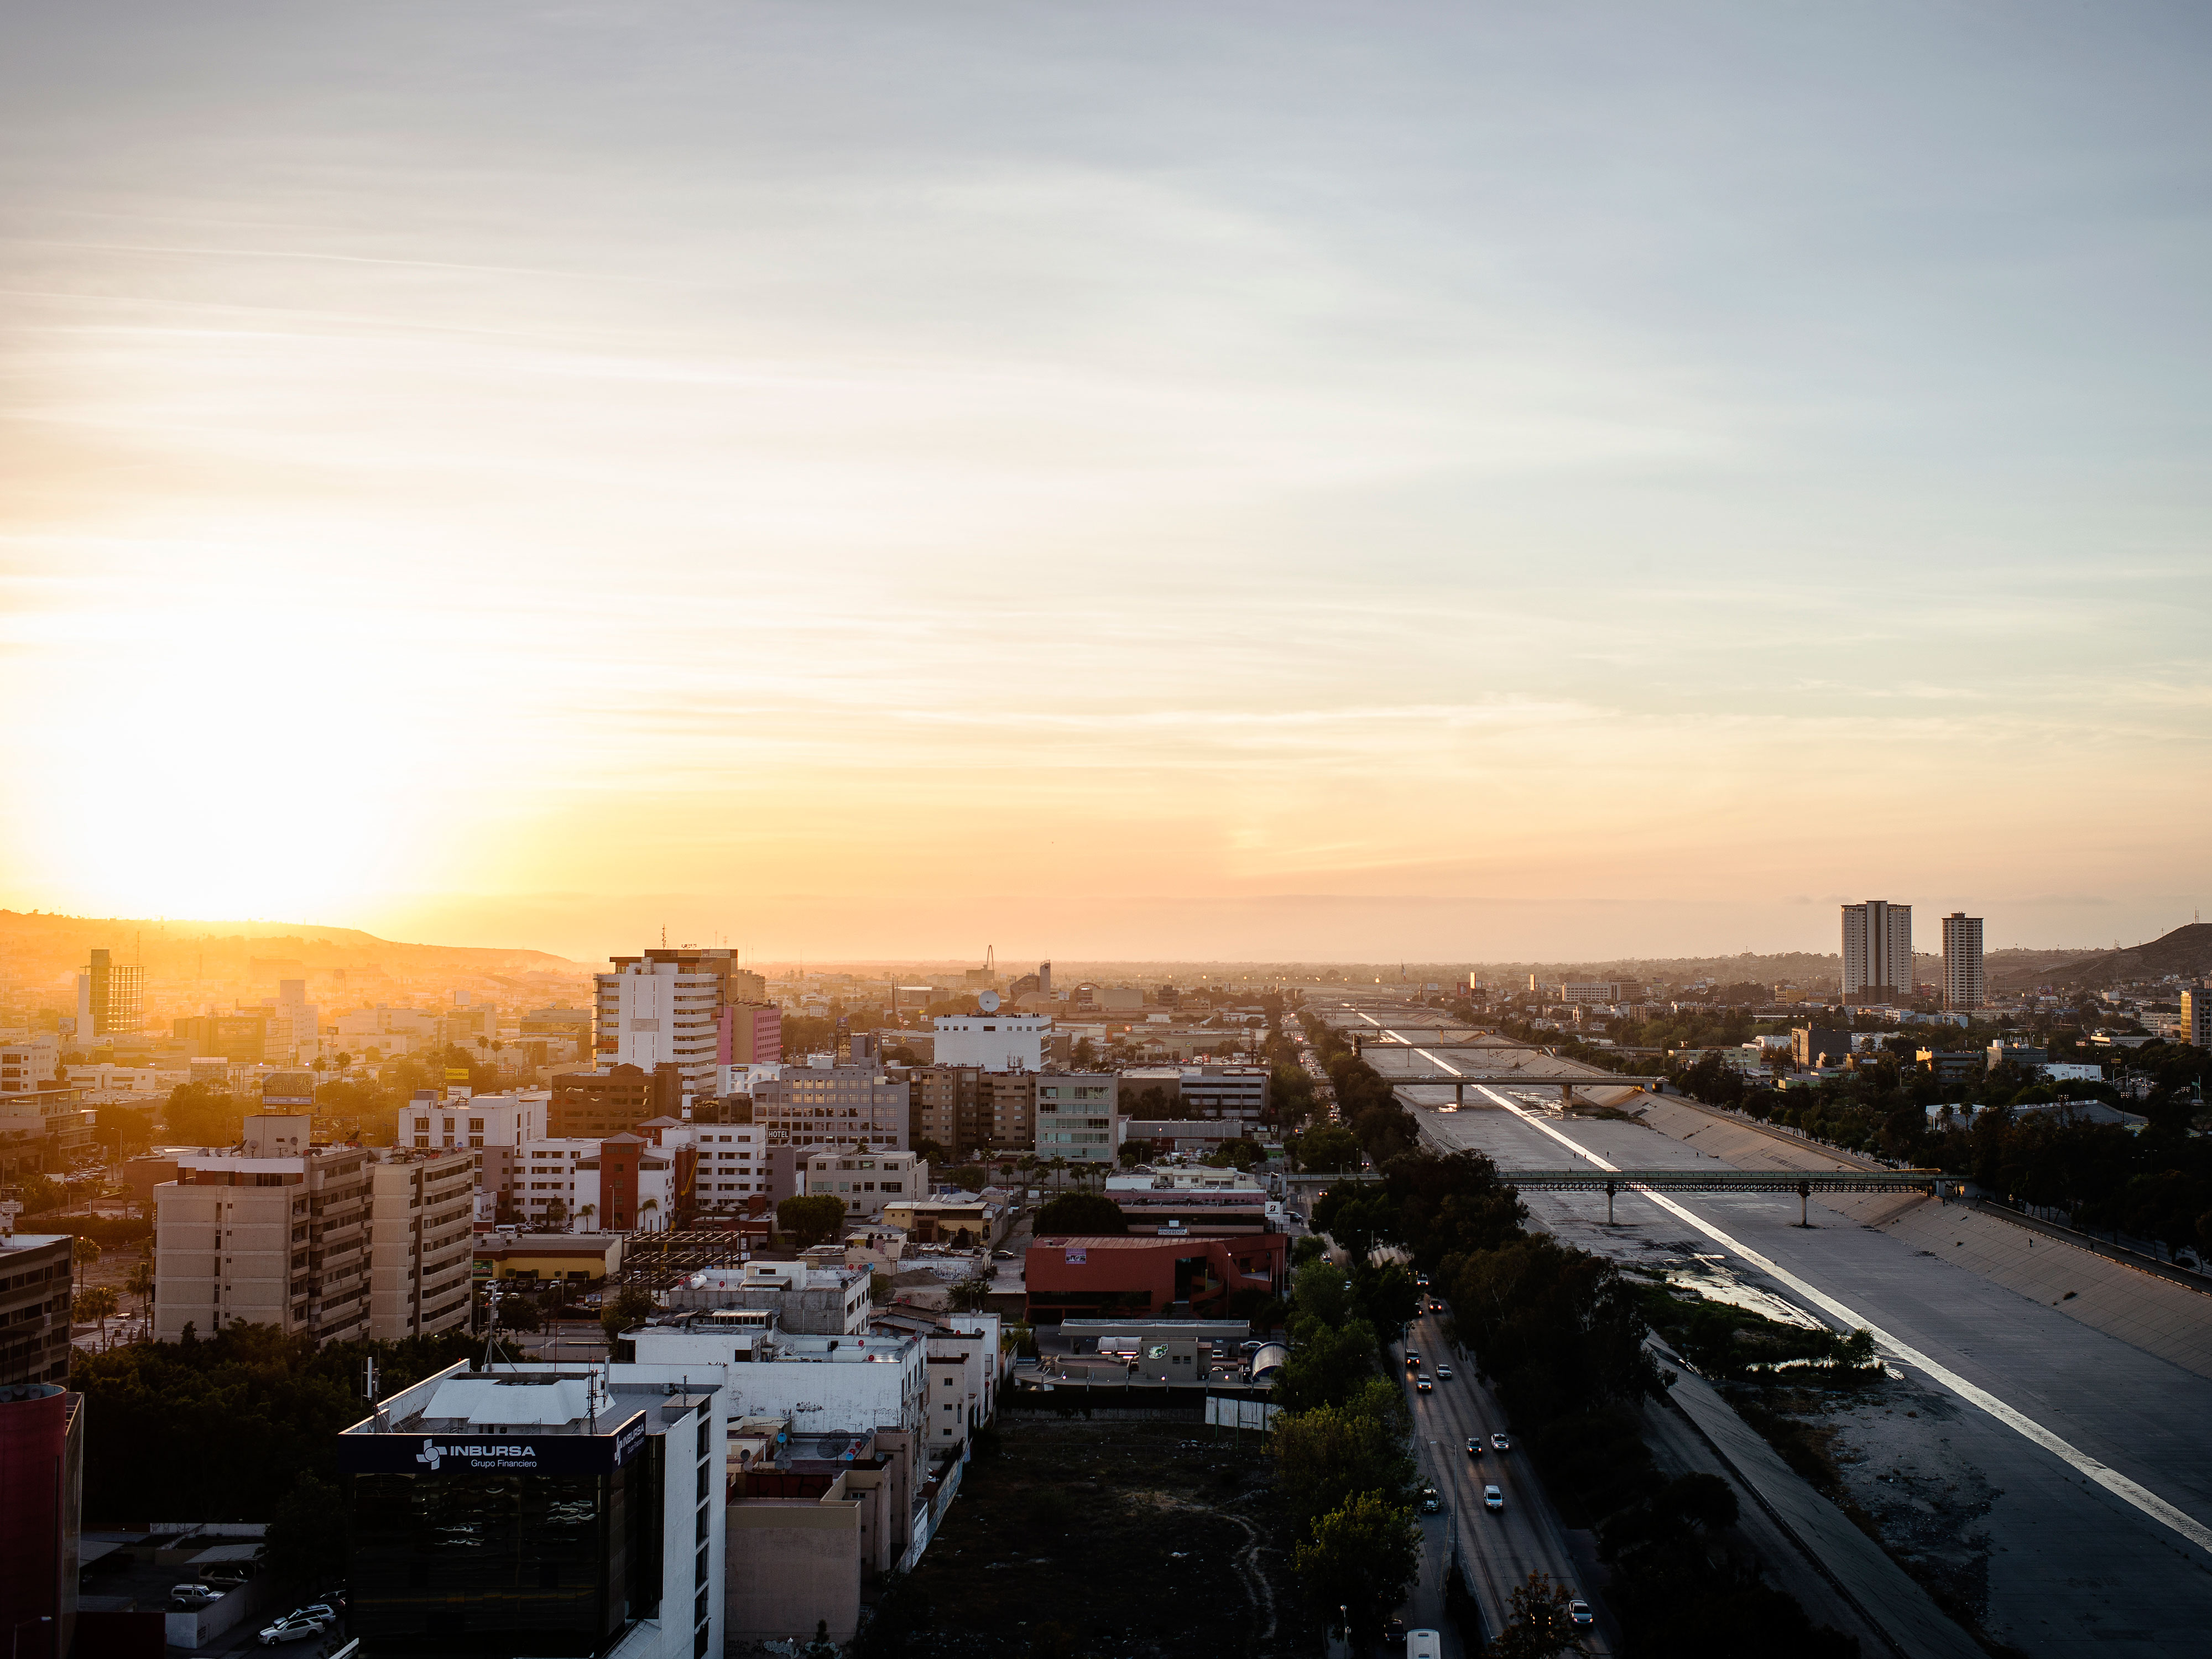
(2055, 1477)
(1500, 1549)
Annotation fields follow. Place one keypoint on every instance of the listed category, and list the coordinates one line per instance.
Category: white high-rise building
(1962, 961)
(655, 1013)
(1877, 952)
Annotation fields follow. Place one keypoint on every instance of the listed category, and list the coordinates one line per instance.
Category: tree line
(1560, 1334)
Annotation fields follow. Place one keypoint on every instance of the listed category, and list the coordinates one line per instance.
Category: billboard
(527, 1451)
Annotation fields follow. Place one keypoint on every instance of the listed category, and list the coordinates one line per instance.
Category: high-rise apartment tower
(1962, 961)
(1877, 952)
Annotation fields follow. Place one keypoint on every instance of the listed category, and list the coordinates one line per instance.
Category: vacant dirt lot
(1110, 1541)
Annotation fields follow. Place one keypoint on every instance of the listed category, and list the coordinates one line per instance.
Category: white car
(194, 1596)
(1492, 1499)
(290, 1628)
(1578, 1611)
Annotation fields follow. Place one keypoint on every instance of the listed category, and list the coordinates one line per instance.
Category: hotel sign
(498, 1451)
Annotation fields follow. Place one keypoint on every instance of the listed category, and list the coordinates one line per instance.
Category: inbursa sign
(525, 1452)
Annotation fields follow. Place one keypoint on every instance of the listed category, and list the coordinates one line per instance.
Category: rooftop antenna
(368, 1384)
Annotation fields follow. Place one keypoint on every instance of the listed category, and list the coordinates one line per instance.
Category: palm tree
(648, 1207)
(141, 1284)
(556, 1214)
(585, 1212)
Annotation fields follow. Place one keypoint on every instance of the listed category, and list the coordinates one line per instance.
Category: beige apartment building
(274, 1231)
(867, 1180)
(421, 1242)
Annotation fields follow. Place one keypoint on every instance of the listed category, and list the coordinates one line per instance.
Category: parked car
(322, 1610)
(290, 1628)
(194, 1596)
(1579, 1611)
(1492, 1499)
(1002, 1255)
(1499, 1442)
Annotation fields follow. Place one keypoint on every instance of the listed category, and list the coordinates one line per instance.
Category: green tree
(1327, 1456)
(813, 1219)
(631, 1308)
(1327, 1365)
(198, 1116)
(1330, 1148)
(1134, 1153)
(1081, 1213)
(1541, 1626)
(1362, 1557)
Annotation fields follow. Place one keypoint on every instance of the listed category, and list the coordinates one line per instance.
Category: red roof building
(1113, 1276)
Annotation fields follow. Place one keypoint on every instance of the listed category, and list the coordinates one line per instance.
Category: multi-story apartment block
(497, 1128)
(867, 1180)
(42, 1130)
(621, 1184)
(941, 1108)
(2194, 1025)
(272, 1232)
(421, 1242)
(35, 1287)
(1877, 952)
(1226, 1090)
(1962, 961)
(28, 1062)
(832, 1106)
(1077, 1118)
(734, 1160)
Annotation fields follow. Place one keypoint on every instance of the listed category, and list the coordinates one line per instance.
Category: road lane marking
(2129, 1492)
(2110, 1479)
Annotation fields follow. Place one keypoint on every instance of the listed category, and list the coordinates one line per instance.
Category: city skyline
(1450, 484)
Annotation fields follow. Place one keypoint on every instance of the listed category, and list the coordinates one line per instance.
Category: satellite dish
(989, 1002)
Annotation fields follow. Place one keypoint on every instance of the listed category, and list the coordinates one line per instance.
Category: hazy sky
(1117, 480)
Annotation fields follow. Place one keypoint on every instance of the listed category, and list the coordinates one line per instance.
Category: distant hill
(40, 951)
(2187, 950)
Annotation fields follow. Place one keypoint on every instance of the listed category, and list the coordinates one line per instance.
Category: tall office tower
(1044, 977)
(1962, 961)
(110, 998)
(1877, 952)
(656, 1006)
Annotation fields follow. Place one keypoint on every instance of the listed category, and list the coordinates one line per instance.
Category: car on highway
(1492, 1499)
(1499, 1442)
(1412, 1359)
(1394, 1629)
(1422, 1385)
(1578, 1611)
(1474, 1445)
(1443, 1373)
(1431, 1505)
(292, 1627)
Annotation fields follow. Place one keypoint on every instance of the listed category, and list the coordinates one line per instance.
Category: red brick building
(1108, 1278)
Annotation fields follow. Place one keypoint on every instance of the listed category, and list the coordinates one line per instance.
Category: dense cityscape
(266, 1254)
(995, 830)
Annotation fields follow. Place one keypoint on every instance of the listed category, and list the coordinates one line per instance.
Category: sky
(1451, 480)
